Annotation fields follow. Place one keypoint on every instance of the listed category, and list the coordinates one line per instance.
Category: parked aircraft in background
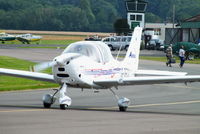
(90, 64)
(6, 37)
(27, 38)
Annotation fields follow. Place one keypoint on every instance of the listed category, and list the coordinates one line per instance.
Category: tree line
(65, 15)
(84, 15)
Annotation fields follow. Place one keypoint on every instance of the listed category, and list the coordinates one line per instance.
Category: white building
(157, 29)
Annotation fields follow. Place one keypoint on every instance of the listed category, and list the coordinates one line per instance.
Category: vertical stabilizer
(131, 59)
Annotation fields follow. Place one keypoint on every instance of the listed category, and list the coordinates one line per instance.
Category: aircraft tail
(131, 59)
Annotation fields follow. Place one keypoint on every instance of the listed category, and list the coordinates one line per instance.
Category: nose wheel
(63, 106)
(64, 100)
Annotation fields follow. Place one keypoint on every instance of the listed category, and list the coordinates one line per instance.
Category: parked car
(117, 42)
(155, 44)
(93, 38)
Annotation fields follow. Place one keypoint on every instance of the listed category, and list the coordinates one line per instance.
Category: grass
(162, 59)
(46, 47)
(8, 83)
(57, 42)
(44, 42)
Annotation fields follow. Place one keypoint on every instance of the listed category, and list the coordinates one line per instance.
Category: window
(106, 40)
(97, 51)
(129, 39)
(118, 39)
(112, 39)
(157, 31)
(139, 18)
(124, 39)
(132, 17)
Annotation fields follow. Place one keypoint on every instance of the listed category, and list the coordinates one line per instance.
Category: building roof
(193, 19)
(193, 22)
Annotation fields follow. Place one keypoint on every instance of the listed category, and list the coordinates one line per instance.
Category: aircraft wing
(146, 80)
(27, 74)
(159, 73)
(22, 39)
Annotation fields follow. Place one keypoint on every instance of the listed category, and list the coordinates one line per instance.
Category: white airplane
(89, 64)
(27, 38)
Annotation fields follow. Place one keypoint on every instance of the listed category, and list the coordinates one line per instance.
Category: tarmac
(160, 108)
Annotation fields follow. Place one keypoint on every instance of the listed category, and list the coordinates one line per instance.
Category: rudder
(131, 59)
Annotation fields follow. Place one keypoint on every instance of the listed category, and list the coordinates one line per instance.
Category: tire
(63, 106)
(111, 47)
(126, 47)
(122, 109)
(46, 105)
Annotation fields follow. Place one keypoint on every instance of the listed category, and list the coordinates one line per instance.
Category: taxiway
(166, 108)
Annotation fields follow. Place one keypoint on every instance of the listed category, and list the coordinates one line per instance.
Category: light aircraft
(6, 37)
(89, 64)
(27, 38)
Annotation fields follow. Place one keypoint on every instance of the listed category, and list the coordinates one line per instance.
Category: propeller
(42, 66)
(59, 60)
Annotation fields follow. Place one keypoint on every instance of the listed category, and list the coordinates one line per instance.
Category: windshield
(96, 50)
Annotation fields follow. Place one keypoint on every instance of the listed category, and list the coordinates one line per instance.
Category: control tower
(136, 12)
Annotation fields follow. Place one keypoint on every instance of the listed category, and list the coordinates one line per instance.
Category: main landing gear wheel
(123, 102)
(49, 99)
(123, 109)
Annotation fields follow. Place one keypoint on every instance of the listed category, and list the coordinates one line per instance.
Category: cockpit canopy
(96, 50)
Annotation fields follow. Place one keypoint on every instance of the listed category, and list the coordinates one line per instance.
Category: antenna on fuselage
(119, 51)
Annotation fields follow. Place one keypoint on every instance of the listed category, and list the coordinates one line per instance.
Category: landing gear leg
(123, 102)
(64, 100)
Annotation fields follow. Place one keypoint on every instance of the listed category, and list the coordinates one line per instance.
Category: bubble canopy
(96, 50)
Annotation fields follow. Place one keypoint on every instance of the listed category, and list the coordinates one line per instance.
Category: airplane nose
(65, 58)
(59, 62)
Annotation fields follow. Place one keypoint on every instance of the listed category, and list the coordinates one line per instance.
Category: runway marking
(150, 105)
(165, 104)
(104, 108)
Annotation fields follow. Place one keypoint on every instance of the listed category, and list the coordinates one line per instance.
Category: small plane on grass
(89, 64)
(27, 38)
(6, 37)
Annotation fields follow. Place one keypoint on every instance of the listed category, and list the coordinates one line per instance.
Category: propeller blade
(42, 66)
(59, 60)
